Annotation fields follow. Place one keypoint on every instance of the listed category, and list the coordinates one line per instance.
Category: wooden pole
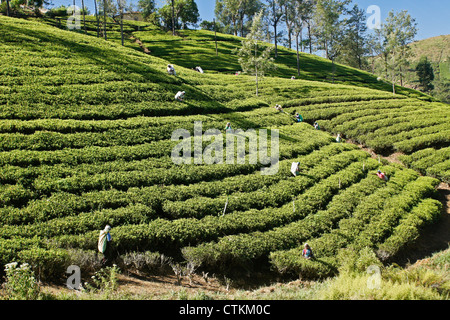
(215, 37)
(225, 208)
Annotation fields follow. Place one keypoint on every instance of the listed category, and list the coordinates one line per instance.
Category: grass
(425, 280)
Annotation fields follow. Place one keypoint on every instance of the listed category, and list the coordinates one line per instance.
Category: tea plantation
(86, 131)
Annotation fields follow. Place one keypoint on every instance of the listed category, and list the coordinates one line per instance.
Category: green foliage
(425, 73)
(251, 60)
(356, 262)
(49, 264)
(86, 129)
(104, 282)
(21, 284)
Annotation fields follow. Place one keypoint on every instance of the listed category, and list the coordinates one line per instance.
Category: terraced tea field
(86, 131)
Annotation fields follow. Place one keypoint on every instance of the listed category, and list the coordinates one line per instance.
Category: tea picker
(103, 245)
(199, 69)
(295, 168)
(171, 70)
(382, 175)
(279, 108)
(307, 252)
(316, 126)
(180, 96)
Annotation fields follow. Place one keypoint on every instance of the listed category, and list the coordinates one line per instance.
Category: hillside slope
(86, 138)
(191, 48)
(436, 49)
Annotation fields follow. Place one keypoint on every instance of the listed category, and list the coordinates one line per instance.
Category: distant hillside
(198, 47)
(191, 48)
(437, 49)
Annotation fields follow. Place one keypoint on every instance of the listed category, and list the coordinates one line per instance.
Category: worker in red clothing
(382, 175)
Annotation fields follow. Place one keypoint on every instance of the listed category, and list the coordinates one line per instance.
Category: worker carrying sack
(295, 168)
(103, 239)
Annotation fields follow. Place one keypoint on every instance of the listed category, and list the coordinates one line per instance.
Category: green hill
(86, 128)
(437, 49)
(191, 48)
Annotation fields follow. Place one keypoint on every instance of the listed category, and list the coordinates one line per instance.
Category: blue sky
(432, 16)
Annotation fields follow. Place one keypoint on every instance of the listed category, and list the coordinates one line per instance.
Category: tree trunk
(8, 13)
(256, 69)
(290, 38)
(309, 36)
(98, 20)
(84, 16)
(401, 77)
(104, 19)
(242, 25)
(173, 18)
(298, 54)
(333, 68)
(234, 22)
(276, 39)
(393, 74)
(121, 25)
(386, 65)
(301, 41)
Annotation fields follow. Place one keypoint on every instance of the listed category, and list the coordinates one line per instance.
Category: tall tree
(330, 26)
(400, 30)
(275, 13)
(301, 10)
(308, 14)
(105, 8)
(378, 50)
(84, 16)
(8, 9)
(121, 4)
(252, 58)
(425, 74)
(148, 8)
(227, 12)
(234, 15)
(289, 17)
(355, 40)
(109, 8)
(180, 15)
(98, 20)
(248, 10)
(173, 17)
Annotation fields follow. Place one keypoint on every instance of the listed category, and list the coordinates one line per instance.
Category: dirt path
(139, 42)
(393, 158)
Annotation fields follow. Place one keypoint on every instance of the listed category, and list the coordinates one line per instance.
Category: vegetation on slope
(86, 140)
